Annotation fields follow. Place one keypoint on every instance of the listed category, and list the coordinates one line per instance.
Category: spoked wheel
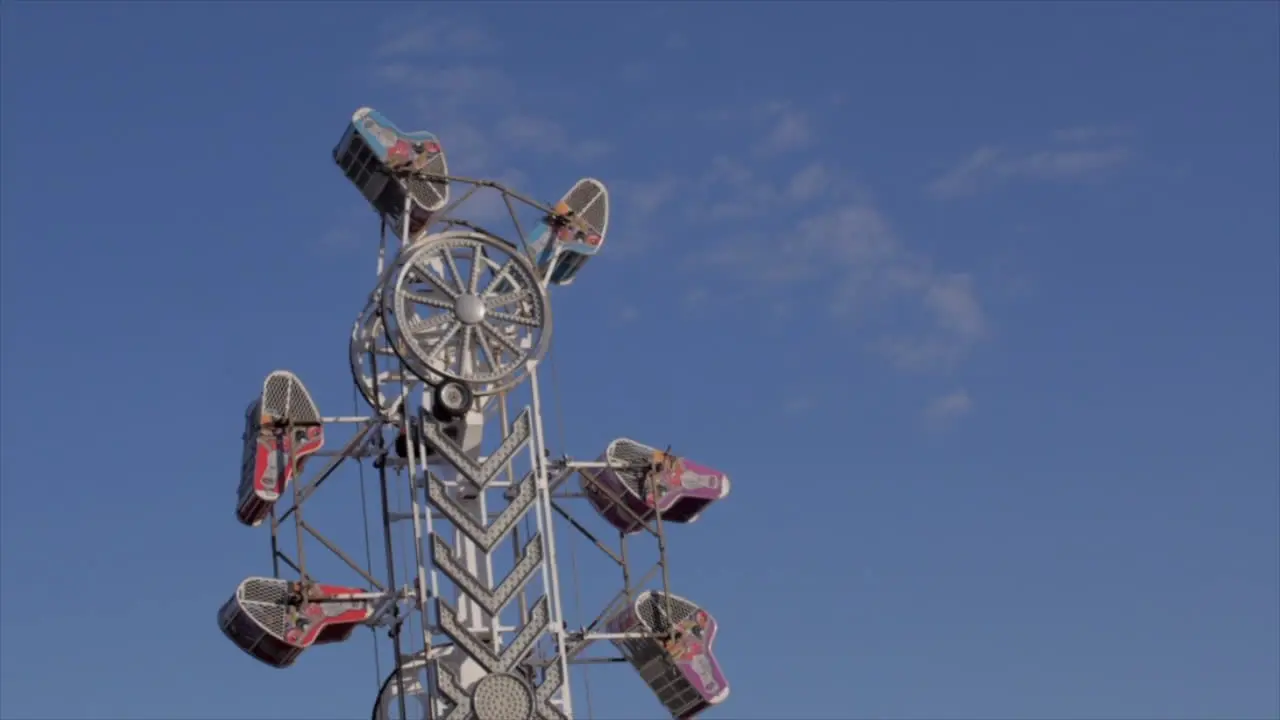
(413, 678)
(370, 348)
(467, 307)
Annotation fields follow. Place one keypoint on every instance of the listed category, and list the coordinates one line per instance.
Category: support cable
(573, 538)
(368, 553)
(406, 535)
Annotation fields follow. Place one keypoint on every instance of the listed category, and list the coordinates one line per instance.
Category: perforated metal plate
(590, 201)
(652, 607)
(631, 462)
(502, 696)
(284, 397)
(432, 191)
(265, 600)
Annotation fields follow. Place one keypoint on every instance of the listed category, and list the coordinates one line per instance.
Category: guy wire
(573, 539)
(368, 554)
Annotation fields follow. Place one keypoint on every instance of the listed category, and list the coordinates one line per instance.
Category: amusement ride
(445, 354)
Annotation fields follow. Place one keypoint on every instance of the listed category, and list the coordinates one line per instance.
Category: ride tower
(446, 353)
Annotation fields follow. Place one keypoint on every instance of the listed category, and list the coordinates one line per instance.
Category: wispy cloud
(440, 36)
(647, 205)
(452, 74)
(1077, 153)
(833, 238)
(733, 190)
(956, 323)
(949, 407)
(772, 215)
(453, 86)
(790, 130)
(545, 136)
(489, 211)
(808, 183)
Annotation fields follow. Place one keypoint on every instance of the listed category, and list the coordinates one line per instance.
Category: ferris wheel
(445, 354)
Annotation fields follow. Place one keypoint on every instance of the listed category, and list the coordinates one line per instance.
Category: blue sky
(977, 303)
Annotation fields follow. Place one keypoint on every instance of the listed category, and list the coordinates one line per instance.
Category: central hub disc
(469, 309)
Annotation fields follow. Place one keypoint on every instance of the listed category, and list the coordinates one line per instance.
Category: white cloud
(924, 351)
(775, 127)
(783, 228)
(436, 36)
(727, 170)
(487, 209)
(646, 206)
(814, 230)
(1062, 164)
(808, 183)
(990, 166)
(445, 70)
(951, 406)
(547, 137)
(790, 131)
(470, 150)
(956, 322)
(951, 299)
(730, 189)
(851, 250)
(453, 86)
(852, 235)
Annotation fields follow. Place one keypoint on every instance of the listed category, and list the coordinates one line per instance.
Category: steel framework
(447, 354)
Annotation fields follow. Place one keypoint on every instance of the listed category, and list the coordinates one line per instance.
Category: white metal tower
(446, 353)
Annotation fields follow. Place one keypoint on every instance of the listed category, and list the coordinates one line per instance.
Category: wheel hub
(452, 397)
(469, 309)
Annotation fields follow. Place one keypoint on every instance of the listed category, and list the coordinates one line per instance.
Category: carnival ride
(446, 347)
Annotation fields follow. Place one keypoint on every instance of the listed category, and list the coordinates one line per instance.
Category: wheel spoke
(501, 338)
(443, 341)
(512, 318)
(464, 355)
(426, 300)
(477, 262)
(453, 268)
(429, 274)
(489, 356)
(419, 326)
(497, 301)
(497, 285)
